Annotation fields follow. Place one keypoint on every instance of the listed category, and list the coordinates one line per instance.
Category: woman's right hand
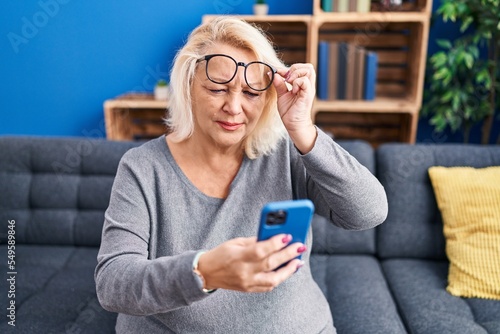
(244, 264)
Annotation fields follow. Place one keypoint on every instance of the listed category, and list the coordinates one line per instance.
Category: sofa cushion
(357, 292)
(469, 201)
(425, 306)
(329, 239)
(55, 291)
(414, 227)
(57, 189)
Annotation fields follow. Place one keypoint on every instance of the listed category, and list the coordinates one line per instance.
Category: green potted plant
(161, 90)
(462, 87)
(260, 7)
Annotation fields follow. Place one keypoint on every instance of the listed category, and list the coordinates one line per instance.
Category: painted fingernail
(287, 238)
(301, 249)
(287, 76)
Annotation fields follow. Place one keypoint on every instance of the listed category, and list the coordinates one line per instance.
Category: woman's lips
(229, 126)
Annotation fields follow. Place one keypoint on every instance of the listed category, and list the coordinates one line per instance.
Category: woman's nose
(232, 104)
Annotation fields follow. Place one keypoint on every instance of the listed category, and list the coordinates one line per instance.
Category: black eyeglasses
(221, 69)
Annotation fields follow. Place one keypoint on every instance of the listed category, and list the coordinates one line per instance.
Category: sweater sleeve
(341, 188)
(127, 280)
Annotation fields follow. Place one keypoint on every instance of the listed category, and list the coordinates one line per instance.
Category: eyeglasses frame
(245, 66)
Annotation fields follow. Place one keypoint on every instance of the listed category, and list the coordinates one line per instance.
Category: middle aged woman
(179, 252)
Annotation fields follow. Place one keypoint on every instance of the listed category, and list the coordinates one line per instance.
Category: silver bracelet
(201, 279)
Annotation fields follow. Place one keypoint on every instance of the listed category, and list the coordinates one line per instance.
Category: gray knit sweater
(157, 220)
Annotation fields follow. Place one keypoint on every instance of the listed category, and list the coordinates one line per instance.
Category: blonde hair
(237, 33)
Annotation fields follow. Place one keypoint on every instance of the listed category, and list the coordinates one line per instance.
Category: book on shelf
(346, 71)
(342, 70)
(343, 6)
(371, 67)
(359, 73)
(350, 71)
(327, 5)
(323, 70)
(364, 6)
(353, 5)
(333, 68)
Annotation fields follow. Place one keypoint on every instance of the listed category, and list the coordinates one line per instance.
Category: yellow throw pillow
(469, 201)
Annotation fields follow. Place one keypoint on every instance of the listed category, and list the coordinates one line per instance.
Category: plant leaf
(469, 60)
(444, 43)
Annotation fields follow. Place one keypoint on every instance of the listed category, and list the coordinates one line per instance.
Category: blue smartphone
(289, 217)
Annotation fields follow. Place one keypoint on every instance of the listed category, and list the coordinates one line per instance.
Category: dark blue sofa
(390, 279)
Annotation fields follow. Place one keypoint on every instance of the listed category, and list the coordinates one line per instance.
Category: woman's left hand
(295, 104)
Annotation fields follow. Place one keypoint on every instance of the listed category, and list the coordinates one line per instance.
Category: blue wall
(60, 59)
